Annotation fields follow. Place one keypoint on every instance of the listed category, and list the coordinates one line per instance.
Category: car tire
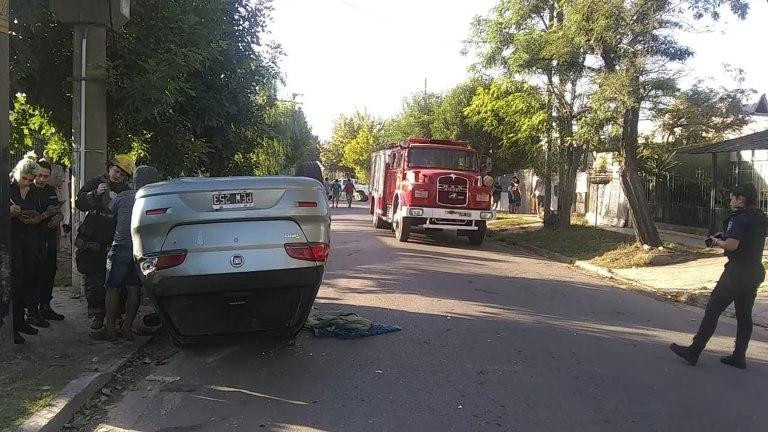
(476, 238)
(402, 227)
(309, 169)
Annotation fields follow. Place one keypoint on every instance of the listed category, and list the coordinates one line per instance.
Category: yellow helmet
(125, 163)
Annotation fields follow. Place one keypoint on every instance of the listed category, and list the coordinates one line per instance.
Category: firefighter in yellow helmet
(97, 230)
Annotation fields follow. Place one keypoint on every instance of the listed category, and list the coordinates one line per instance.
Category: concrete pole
(6, 302)
(89, 117)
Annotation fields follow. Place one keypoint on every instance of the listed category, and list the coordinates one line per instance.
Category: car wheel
(476, 238)
(309, 169)
(402, 228)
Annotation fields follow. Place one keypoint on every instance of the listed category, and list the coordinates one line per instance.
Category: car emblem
(291, 235)
(237, 261)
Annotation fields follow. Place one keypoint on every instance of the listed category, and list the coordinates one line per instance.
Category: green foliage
(514, 112)
(415, 119)
(191, 85)
(357, 153)
(32, 126)
(347, 129)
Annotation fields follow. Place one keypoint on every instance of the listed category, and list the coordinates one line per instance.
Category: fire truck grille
(452, 191)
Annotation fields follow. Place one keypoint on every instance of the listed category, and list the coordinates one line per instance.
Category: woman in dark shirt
(25, 214)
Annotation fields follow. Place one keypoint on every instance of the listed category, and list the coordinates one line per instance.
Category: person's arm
(88, 197)
(728, 245)
(732, 237)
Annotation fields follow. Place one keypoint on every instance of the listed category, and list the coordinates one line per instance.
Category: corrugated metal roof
(755, 141)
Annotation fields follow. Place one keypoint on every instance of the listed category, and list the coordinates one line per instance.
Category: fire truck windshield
(442, 158)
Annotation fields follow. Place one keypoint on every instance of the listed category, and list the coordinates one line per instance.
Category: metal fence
(685, 200)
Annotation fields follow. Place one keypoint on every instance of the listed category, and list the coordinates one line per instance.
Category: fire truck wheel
(402, 228)
(380, 223)
(476, 237)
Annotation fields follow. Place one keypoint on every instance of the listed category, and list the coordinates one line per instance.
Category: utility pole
(6, 302)
(91, 20)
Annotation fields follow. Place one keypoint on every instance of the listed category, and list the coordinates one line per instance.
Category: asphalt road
(493, 340)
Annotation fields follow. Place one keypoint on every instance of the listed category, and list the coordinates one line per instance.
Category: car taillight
(308, 251)
(155, 212)
(306, 204)
(162, 261)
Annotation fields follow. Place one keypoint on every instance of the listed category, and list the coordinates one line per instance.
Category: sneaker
(97, 322)
(27, 329)
(104, 335)
(686, 353)
(739, 362)
(18, 339)
(37, 320)
(48, 313)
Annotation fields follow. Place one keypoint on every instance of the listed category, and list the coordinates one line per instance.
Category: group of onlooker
(515, 193)
(333, 191)
(103, 246)
(35, 212)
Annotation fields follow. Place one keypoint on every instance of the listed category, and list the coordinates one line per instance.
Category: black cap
(746, 190)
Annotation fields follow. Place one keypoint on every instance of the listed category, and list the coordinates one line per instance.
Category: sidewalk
(691, 281)
(34, 375)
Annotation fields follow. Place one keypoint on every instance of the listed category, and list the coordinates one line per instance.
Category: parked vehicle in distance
(232, 256)
(434, 184)
(361, 195)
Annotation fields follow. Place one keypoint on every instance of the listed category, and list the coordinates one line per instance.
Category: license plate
(460, 213)
(228, 200)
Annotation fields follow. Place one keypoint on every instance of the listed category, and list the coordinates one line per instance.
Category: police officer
(96, 232)
(743, 240)
(24, 210)
(49, 240)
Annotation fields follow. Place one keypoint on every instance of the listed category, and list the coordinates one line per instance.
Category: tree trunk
(568, 187)
(642, 221)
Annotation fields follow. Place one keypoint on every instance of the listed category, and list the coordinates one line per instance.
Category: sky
(343, 55)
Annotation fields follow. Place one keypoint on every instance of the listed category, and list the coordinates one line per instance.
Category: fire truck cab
(433, 184)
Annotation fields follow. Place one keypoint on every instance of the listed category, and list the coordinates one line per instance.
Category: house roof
(754, 141)
(759, 107)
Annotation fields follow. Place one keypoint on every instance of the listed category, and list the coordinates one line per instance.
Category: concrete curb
(75, 395)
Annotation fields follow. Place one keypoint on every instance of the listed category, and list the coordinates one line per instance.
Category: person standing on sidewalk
(95, 235)
(122, 272)
(743, 240)
(49, 240)
(349, 191)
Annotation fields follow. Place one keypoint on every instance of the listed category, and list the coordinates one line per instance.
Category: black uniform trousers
(49, 245)
(737, 285)
(25, 265)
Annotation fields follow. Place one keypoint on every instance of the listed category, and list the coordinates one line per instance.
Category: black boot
(736, 360)
(97, 322)
(27, 329)
(34, 318)
(48, 313)
(18, 339)
(688, 354)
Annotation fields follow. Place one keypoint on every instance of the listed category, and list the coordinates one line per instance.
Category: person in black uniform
(743, 240)
(24, 251)
(49, 240)
(94, 237)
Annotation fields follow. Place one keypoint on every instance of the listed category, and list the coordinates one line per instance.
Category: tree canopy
(191, 85)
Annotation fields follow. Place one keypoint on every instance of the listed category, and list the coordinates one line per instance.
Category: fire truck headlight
(486, 215)
(488, 181)
(421, 193)
(415, 212)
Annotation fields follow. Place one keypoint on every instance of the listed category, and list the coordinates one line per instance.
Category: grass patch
(601, 247)
(22, 406)
(511, 220)
(63, 278)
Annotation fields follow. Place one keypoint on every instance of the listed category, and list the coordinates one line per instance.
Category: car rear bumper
(214, 308)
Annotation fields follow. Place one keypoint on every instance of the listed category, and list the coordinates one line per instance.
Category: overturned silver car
(232, 256)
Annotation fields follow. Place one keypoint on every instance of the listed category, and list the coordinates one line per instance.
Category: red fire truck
(434, 184)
